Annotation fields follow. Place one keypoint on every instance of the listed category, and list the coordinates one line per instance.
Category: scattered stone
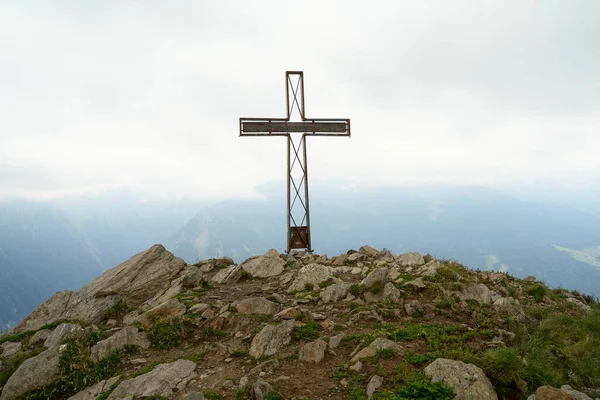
(369, 251)
(258, 305)
(243, 381)
(549, 393)
(199, 308)
(171, 308)
(357, 366)
(413, 307)
(377, 344)
(410, 259)
(576, 394)
(391, 294)
(10, 348)
(267, 265)
(467, 380)
(311, 274)
(429, 269)
(339, 260)
(333, 293)
(530, 278)
(271, 338)
(375, 382)
(417, 282)
(479, 292)
(92, 392)
(579, 304)
(62, 333)
(288, 313)
(40, 336)
(355, 257)
(231, 274)
(126, 336)
(228, 384)
(313, 351)
(163, 380)
(378, 274)
(32, 374)
(261, 389)
(334, 341)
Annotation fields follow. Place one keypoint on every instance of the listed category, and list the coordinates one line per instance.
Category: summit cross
(298, 211)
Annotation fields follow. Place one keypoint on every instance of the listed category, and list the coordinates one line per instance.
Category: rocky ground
(367, 324)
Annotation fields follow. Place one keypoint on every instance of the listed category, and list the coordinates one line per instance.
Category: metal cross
(298, 215)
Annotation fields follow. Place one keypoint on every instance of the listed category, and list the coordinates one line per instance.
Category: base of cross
(299, 238)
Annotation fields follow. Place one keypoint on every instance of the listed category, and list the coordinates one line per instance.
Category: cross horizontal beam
(249, 126)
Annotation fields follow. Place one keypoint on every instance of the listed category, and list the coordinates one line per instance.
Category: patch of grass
(326, 283)
(355, 289)
(213, 395)
(538, 291)
(308, 286)
(272, 396)
(423, 389)
(17, 337)
(376, 287)
(146, 369)
(211, 333)
(76, 371)
(196, 357)
(308, 331)
(104, 395)
(417, 359)
(165, 334)
(385, 353)
(243, 393)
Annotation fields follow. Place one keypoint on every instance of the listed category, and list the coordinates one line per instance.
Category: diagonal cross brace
(298, 236)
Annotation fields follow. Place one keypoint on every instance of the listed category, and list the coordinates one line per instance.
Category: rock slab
(271, 338)
(33, 373)
(265, 266)
(313, 351)
(126, 336)
(467, 380)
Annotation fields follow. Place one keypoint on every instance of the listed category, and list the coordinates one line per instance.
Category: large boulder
(231, 274)
(92, 392)
(376, 345)
(164, 380)
(479, 292)
(575, 393)
(136, 280)
(62, 333)
(313, 351)
(33, 373)
(258, 305)
(8, 349)
(368, 251)
(410, 259)
(550, 393)
(126, 336)
(378, 274)
(311, 274)
(467, 380)
(267, 265)
(271, 338)
(333, 293)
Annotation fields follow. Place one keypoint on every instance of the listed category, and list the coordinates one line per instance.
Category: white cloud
(148, 95)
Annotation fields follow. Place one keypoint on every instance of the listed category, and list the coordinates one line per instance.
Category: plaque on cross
(294, 125)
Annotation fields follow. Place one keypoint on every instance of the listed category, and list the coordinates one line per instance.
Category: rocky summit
(367, 324)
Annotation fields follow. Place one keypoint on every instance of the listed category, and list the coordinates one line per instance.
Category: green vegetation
(213, 395)
(308, 331)
(17, 337)
(376, 287)
(326, 283)
(385, 353)
(355, 290)
(538, 291)
(76, 371)
(165, 334)
(243, 393)
(118, 310)
(146, 369)
(308, 286)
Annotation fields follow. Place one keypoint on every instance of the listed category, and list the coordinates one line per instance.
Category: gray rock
(33, 373)
(418, 283)
(271, 338)
(413, 307)
(194, 396)
(288, 313)
(368, 251)
(374, 384)
(313, 351)
(505, 301)
(357, 366)
(199, 308)
(163, 380)
(576, 394)
(40, 336)
(62, 333)
(231, 274)
(467, 380)
(479, 292)
(391, 294)
(410, 259)
(334, 341)
(378, 274)
(429, 269)
(10, 349)
(169, 309)
(258, 305)
(333, 293)
(312, 274)
(90, 393)
(579, 304)
(261, 389)
(135, 281)
(355, 257)
(126, 336)
(267, 265)
(377, 344)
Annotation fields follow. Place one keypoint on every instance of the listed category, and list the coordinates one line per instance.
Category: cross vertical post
(298, 210)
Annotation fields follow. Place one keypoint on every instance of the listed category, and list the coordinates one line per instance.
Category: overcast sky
(147, 94)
